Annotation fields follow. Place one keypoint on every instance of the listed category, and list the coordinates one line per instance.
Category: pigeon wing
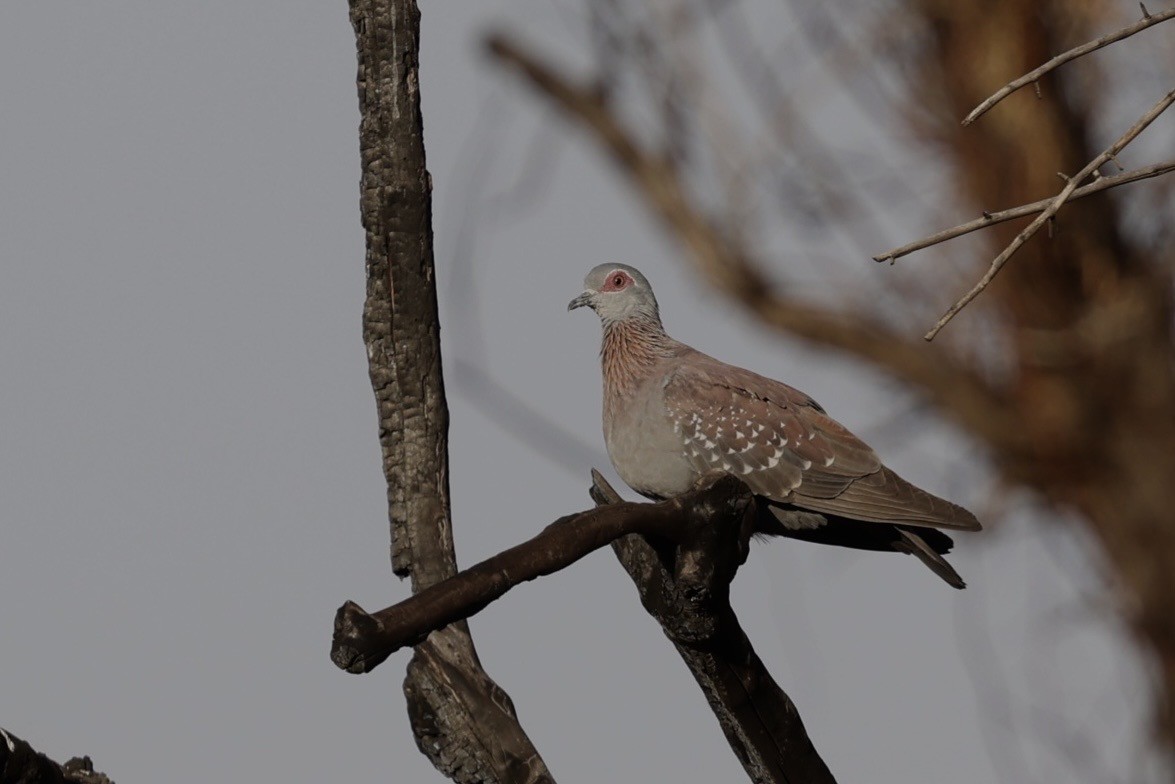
(787, 449)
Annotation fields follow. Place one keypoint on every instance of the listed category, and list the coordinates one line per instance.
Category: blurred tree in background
(728, 120)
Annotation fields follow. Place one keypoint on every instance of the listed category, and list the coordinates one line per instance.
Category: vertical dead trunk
(462, 720)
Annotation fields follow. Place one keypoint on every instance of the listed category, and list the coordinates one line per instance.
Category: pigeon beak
(580, 301)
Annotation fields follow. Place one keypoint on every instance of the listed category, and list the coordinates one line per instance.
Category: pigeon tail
(928, 544)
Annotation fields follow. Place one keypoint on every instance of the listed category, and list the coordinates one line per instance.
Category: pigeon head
(617, 292)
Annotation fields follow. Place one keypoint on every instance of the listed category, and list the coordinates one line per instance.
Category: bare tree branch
(993, 218)
(1087, 323)
(1071, 185)
(462, 720)
(684, 581)
(20, 763)
(1148, 20)
(362, 641)
(957, 390)
(759, 719)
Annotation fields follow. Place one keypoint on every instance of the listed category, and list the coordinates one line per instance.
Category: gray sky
(189, 465)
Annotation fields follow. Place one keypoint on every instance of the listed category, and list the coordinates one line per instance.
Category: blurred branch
(1058, 201)
(520, 420)
(993, 218)
(1087, 317)
(1148, 20)
(363, 640)
(956, 389)
(825, 177)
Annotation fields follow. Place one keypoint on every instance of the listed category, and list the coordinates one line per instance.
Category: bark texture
(682, 554)
(462, 720)
(20, 763)
(687, 590)
(364, 640)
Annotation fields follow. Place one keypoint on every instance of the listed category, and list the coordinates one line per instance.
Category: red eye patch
(616, 280)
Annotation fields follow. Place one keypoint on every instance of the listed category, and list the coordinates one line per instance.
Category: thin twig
(1051, 210)
(1148, 20)
(993, 218)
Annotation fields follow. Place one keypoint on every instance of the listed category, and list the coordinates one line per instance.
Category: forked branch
(1024, 210)
(686, 591)
(682, 554)
(362, 640)
(1058, 201)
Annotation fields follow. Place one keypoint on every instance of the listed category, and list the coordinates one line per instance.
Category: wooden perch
(363, 640)
(683, 555)
(759, 719)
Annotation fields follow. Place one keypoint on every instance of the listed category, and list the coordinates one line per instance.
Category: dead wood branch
(957, 390)
(687, 592)
(362, 641)
(1148, 20)
(683, 573)
(21, 763)
(462, 720)
(994, 218)
(1058, 201)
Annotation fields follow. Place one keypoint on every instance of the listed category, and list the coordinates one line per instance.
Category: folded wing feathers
(783, 445)
(884, 497)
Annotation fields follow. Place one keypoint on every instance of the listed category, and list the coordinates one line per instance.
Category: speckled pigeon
(673, 415)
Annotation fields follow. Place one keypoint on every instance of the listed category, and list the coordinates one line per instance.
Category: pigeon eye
(618, 281)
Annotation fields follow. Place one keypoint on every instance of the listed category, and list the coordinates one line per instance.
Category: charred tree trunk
(20, 763)
(462, 720)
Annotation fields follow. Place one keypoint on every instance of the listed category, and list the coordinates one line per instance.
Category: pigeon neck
(630, 348)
